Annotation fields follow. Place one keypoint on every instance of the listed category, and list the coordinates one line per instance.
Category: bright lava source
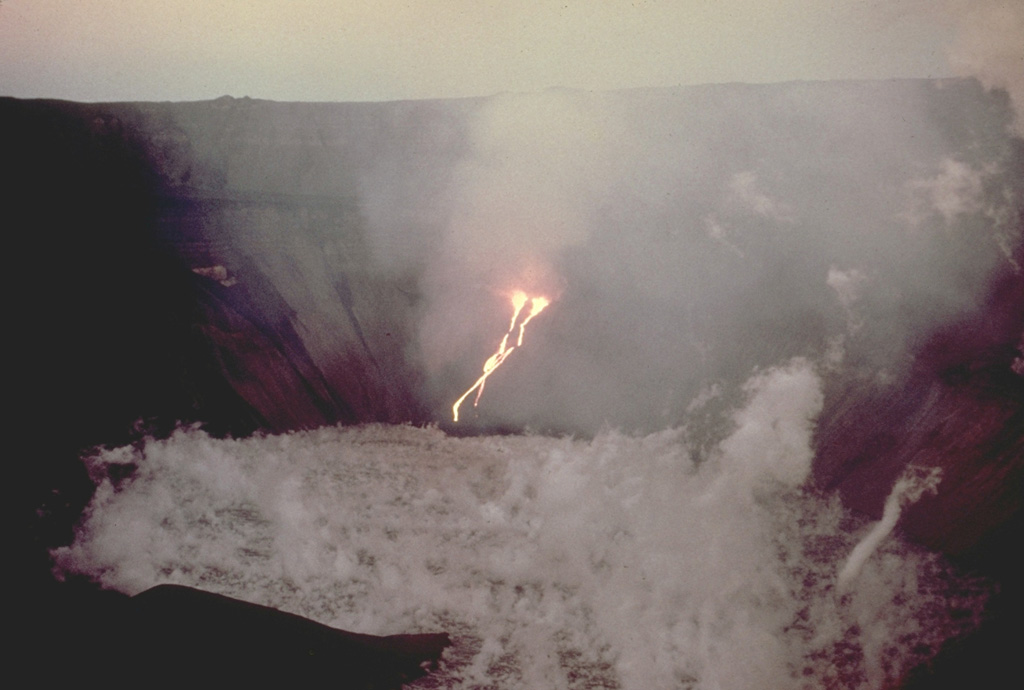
(519, 300)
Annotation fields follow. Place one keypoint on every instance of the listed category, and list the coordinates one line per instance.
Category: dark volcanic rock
(960, 408)
(179, 634)
(172, 636)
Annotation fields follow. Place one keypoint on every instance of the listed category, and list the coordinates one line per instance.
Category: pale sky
(343, 50)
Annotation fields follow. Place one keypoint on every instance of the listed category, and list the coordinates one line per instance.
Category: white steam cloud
(745, 188)
(621, 559)
(686, 236)
(957, 190)
(537, 166)
(848, 285)
(773, 431)
(913, 483)
(690, 235)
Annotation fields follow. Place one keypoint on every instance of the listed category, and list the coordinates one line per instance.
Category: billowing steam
(620, 561)
(536, 167)
(909, 487)
(690, 236)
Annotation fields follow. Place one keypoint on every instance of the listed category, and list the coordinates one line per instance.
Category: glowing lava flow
(519, 300)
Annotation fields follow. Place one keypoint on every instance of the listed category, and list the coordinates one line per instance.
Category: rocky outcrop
(172, 636)
(960, 409)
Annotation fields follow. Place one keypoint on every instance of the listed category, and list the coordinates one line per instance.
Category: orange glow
(519, 300)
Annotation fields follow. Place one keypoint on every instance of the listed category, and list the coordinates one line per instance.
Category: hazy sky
(393, 49)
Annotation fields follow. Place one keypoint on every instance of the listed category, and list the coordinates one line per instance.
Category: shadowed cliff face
(256, 265)
(960, 407)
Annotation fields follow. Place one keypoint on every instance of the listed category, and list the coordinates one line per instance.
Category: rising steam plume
(911, 485)
(682, 254)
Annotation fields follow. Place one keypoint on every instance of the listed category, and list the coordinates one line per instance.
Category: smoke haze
(555, 563)
(689, 236)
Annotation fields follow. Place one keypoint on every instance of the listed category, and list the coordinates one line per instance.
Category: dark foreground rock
(172, 636)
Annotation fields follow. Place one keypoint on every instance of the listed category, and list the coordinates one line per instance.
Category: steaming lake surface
(615, 562)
